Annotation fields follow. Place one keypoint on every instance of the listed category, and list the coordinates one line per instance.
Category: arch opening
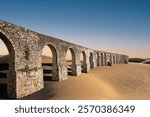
(83, 61)
(114, 59)
(49, 62)
(7, 68)
(109, 61)
(111, 58)
(70, 61)
(105, 59)
(91, 60)
(102, 59)
(97, 59)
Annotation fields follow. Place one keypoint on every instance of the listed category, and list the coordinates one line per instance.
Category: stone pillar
(98, 59)
(76, 69)
(126, 59)
(102, 59)
(92, 59)
(119, 59)
(29, 73)
(86, 64)
(62, 72)
(107, 59)
(28, 81)
(59, 72)
(116, 59)
(111, 59)
(121, 56)
(86, 67)
(76, 65)
(123, 59)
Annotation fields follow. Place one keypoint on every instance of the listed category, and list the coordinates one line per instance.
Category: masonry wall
(25, 49)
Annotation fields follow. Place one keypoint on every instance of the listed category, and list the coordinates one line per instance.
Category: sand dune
(147, 61)
(4, 59)
(46, 59)
(140, 60)
(123, 81)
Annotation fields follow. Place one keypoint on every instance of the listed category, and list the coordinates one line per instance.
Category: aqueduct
(25, 48)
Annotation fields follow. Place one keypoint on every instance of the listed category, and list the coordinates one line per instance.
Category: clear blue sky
(113, 25)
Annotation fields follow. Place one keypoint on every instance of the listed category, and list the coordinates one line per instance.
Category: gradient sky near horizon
(120, 26)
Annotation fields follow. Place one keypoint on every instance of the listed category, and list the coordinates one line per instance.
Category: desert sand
(119, 82)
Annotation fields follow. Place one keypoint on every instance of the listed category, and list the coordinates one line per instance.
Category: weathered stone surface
(25, 48)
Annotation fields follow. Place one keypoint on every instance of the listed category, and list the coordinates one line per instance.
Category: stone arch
(105, 59)
(114, 59)
(51, 68)
(25, 46)
(118, 59)
(123, 59)
(102, 59)
(110, 59)
(71, 64)
(11, 75)
(83, 62)
(126, 59)
(97, 59)
(54, 53)
(91, 57)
